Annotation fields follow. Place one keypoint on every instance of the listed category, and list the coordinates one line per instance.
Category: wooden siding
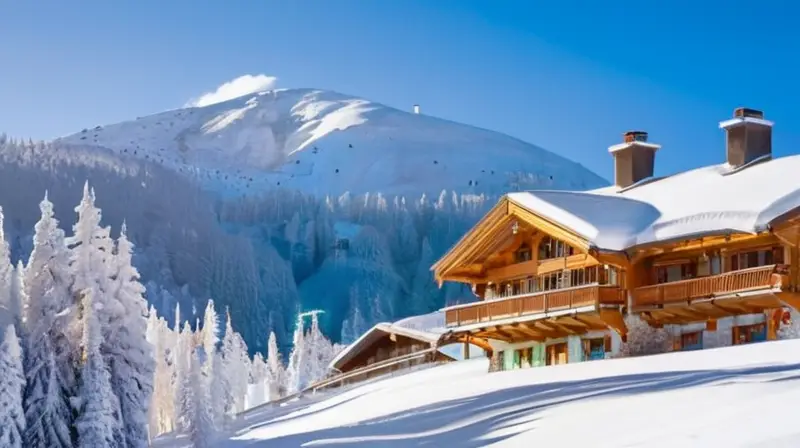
(384, 349)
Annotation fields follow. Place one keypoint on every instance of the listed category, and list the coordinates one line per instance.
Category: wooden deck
(745, 280)
(533, 303)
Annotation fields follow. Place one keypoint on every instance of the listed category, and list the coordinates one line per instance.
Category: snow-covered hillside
(740, 396)
(327, 143)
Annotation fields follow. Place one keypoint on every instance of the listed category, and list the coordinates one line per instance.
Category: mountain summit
(324, 142)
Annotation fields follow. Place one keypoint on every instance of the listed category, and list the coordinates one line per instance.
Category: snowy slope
(731, 397)
(328, 143)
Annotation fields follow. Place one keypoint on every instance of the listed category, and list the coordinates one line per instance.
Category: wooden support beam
(562, 328)
(613, 318)
(572, 322)
(546, 329)
(532, 334)
(792, 299)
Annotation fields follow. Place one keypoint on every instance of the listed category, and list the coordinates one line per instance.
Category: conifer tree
(277, 374)
(129, 353)
(50, 345)
(12, 383)
(6, 271)
(98, 425)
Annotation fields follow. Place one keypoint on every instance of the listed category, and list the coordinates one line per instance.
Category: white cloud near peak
(243, 85)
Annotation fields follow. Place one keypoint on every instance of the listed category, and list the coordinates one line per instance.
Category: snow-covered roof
(709, 200)
(430, 323)
(378, 331)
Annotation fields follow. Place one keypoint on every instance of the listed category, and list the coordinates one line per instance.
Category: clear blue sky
(569, 76)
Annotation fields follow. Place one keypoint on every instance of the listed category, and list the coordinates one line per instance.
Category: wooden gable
(505, 228)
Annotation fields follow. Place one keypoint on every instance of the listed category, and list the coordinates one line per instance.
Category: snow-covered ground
(327, 143)
(741, 396)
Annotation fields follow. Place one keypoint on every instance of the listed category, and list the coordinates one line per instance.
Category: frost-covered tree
(213, 373)
(319, 351)
(235, 368)
(50, 344)
(129, 354)
(12, 383)
(355, 324)
(297, 370)
(196, 404)
(184, 350)
(91, 256)
(7, 311)
(162, 406)
(98, 422)
(277, 373)
(259, 378)
(18, 298)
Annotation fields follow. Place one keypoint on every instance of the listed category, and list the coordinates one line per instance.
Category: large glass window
(604, 275)
(553, 248)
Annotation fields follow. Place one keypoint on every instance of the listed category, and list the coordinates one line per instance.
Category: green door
(509, 359)
(538, 358)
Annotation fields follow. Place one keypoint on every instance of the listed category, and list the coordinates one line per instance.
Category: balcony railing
(728, 283)
(533, 303)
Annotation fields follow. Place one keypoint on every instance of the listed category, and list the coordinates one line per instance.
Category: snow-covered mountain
(327, 143)
(242, 202)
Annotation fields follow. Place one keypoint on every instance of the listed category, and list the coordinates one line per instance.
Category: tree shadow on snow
(466, 422)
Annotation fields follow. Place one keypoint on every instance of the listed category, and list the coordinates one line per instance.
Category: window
(756, 258)
(553, 248)
(746, 334)
(692, 341)
(676, 272)
(522, 254)
(594, 348)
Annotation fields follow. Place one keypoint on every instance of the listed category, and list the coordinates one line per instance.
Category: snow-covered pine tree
(50, 352)
(98, 425)
(162, 405)
(6, 270)
(18, 298)
(212, 367)
(12, 383)
(235, 368)
(259, 378)
(319, 351)
(296, 370)
(129, 354)
(155, 409)
(277, 374)
(91, 257)
(196, 404)
(184, 350)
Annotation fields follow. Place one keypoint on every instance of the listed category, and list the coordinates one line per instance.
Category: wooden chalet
(711, 252)
(383, 349)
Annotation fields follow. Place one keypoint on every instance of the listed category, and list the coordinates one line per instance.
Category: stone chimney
(634, 158)
(748, 136)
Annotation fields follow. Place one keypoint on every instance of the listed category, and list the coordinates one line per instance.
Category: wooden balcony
(533, 303)
(745, 280)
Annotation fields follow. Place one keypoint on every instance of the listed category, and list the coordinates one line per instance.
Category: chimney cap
(746, 112)
(634, 139)
(742, 115)
(634, 136)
